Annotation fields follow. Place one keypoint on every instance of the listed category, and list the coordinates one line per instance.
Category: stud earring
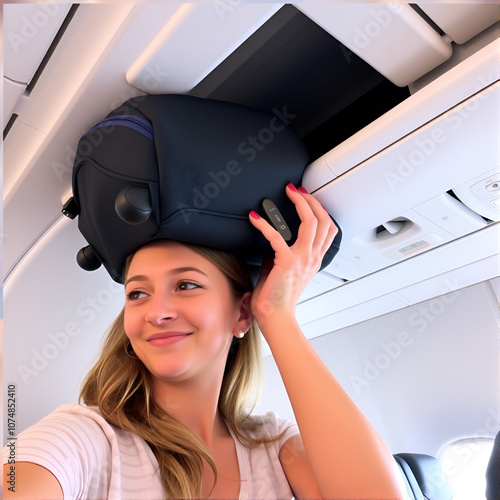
(241, 334)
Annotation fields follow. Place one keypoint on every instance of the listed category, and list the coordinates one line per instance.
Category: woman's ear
(245, 313)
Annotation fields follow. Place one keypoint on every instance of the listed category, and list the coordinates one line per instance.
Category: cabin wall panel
(423, 375)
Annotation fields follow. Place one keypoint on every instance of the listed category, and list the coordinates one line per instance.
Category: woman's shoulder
(84, 428)
(77, 414)
(79, 423)
(88, 454)
(77, 411)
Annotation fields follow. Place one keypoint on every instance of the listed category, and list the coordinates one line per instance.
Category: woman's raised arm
(347, 456)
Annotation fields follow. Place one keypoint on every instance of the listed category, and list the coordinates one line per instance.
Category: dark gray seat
(412, 487)
(425, 476)
(493, 472)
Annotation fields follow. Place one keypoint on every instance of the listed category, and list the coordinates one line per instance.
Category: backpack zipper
(136, 123)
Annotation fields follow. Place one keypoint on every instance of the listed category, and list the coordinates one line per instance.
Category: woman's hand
(283, 279)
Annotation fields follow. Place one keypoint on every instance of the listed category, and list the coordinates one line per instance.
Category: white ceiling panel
(31, 30)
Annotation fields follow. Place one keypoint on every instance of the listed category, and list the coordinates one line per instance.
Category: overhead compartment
(417, 196)
(461, 82)
(279, 57)
(433, 178)
(377, 32)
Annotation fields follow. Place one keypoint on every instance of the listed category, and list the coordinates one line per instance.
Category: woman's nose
(160, 310)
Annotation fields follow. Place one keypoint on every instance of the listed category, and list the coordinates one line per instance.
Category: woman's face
(180, 313)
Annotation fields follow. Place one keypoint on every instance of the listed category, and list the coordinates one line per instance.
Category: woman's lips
(167, 338)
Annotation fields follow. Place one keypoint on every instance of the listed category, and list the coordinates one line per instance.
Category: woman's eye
(135, 295)
(188, 285)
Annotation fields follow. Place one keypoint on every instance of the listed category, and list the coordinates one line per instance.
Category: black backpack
(187, 169)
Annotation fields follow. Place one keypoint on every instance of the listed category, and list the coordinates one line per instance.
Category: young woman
(166, 413)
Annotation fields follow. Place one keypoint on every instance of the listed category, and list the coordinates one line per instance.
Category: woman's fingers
(317, 230)
(326, 230)
(309, 222)
(274, 237)
(284, 277)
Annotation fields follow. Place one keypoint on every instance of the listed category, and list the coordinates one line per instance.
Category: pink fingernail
(303, 190)
(255, 215)
(292, 187)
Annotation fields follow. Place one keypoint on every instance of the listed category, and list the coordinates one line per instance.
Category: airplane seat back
(428, 474)
(493, 472)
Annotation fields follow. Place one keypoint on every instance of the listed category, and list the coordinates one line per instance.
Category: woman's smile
(167, 338)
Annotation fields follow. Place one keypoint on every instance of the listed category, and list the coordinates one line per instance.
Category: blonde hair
(120, 386)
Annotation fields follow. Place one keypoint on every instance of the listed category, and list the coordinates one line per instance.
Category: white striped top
(94, 460)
